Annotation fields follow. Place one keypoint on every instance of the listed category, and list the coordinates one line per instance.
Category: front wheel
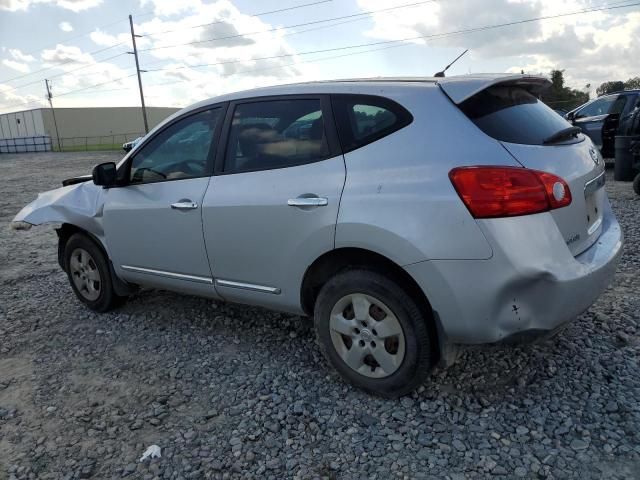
(373, 333)
(89, 274)
(636, 184)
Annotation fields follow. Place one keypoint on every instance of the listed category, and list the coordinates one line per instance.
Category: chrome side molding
(194, 278)
(162, 273)
(246, 286)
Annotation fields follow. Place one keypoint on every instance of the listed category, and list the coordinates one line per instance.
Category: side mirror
(570, 116)
(105, 174)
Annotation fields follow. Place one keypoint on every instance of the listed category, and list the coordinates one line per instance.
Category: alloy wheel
(85, 274)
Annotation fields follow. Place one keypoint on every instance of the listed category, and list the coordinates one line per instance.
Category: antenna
(441, 74)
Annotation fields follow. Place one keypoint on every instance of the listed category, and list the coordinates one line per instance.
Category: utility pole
(53, 112)
(135, 54)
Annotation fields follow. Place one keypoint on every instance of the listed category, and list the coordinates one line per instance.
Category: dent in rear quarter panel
(398, 199)
(532, 282)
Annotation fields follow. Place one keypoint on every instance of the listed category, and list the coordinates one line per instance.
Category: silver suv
(407, 216)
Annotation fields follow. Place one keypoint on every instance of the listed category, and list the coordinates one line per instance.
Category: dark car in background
(602, 118)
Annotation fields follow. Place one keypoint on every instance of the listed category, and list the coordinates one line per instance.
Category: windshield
(512, 114)
(601, 106)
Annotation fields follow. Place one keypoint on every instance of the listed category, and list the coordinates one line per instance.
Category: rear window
(512, 114)
(362, 119)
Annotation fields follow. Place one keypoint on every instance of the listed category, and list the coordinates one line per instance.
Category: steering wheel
(190, 167)
(139, 173)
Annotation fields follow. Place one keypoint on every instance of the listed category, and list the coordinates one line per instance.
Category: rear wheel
(636, 184)
(89, 275)
(373, 333)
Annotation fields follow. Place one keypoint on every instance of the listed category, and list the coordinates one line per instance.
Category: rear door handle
(184, 205)
(308, 202)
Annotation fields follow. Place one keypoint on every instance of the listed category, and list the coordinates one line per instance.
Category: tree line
(561, 97)
(617, 85)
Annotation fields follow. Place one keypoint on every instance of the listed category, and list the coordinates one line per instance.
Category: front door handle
(308, 202)
(184, 205)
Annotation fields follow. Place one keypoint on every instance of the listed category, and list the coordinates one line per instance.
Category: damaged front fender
(80, 205)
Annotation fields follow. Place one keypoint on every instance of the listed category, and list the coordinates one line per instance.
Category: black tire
(106, 298)
(418, 351)
(636, 184)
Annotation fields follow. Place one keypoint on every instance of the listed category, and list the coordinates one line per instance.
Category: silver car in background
(130, 145)
(407, 216)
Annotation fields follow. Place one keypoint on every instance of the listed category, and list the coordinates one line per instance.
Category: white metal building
(35, 130)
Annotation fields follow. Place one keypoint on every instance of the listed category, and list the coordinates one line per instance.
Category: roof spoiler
(459, 89)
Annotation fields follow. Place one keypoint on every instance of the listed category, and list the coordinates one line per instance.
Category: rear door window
(363, 119)
(512, 114)
(276, 134)
(618, 105)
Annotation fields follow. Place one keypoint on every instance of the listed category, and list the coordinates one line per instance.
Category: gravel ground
(235, 392)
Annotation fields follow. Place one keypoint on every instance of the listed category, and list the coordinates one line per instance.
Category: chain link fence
(45, 143)
(102, 142)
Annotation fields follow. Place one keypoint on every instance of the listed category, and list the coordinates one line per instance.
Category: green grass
(84, 148)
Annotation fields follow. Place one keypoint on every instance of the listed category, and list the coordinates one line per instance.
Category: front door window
(183, 150)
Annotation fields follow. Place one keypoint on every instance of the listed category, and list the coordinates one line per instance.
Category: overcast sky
(79, 44)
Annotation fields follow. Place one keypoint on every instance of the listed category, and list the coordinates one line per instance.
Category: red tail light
(490, 192)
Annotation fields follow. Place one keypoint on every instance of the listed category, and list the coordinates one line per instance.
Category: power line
(349, 20)
(73, 92)
(254, 15)
(409, 39)
(96, 85)
(69, 92)
(276, 67)
(322, 27)
(99, 27)
(124, 43)
(139, 51)
(108, 90)
(153, 34)
(314, 22)
(332, 57)
(389, 42)
(98, 63)
(38, 103)
(71, 60)
(32, 52)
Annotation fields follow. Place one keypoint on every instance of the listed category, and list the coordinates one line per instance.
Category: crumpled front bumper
(531, 285)
(79, 204)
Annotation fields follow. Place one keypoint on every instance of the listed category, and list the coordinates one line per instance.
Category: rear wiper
(564, 133)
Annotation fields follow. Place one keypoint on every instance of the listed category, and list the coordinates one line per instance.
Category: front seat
(250, 139)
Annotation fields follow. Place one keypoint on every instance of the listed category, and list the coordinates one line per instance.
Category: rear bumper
(531, 285)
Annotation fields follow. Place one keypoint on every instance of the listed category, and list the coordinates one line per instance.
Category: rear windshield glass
(512, 114)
